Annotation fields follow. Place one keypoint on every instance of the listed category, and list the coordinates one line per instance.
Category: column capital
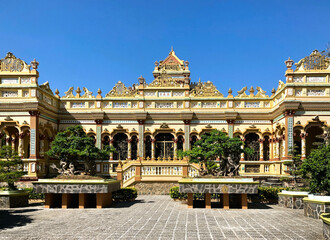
(141, 122)
(34, 113)
(186, 122)
(289, 113)
(230, 121)
(98, 121)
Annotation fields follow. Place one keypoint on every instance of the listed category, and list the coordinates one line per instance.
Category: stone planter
(223, 186)
(291, 199)
(326, 225)
(15, 198)
(314, 206)
(67, 193)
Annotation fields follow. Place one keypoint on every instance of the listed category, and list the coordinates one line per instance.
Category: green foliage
(266, 194)
(73, 145)
(10, 167)
(215, 145)
(33, 195)
(175, 194)
(125, 194)
(316, 168)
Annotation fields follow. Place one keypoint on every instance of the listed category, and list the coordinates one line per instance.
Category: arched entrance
(164, 145)
(121, 145)
(252, 141)
(312, 133)
(266, 148)
(147, 146)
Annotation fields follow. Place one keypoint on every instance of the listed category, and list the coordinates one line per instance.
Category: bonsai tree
(73, 145)
(215, 147)
(294, 166)
(316, 168)
(11, 167)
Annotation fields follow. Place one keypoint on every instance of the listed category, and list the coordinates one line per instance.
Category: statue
(87, 94)
(69, 93)
(65, 169)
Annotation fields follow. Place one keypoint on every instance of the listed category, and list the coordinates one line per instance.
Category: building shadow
(15, 218)
(258, 205)
(128, 204)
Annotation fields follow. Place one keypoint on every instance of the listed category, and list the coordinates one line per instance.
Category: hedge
(125, 194)
(265, 194)
(33, 195)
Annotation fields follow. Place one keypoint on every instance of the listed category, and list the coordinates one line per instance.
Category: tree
(11, 167)
(73, 145)
(316, 168)
(295, 164)
(217, 146)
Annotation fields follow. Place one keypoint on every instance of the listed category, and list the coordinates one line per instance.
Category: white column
(261, 149)
(175, 148)
(129, 148)
(153, 142)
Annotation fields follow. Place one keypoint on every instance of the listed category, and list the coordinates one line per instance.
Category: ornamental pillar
(284, 147)
(288, 147)
(34, 134)
(21, 145)
(303, 145)
(186, 134)
(175, 141)
(271, 153)
(41, 144)
(261, 149)
(8, 141)
(153, 142)
(242, 147)
(98, 133)
(13, 140)
(129, 148)
(230, 128)
(141, 136)
(277, 149)
(111, 145)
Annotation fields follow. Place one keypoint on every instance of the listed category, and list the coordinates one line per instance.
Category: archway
(252, 141)
(266, 148)
(180, 142)
(312, 133)
(105, 141)
(121, 145)
(147, 146)
(193, 140)
(296, 141)
(164, 145)
(134, 141)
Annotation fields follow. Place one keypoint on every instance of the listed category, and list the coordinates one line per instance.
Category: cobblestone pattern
(314, 210)
(158, 218)
(218, 188)
(291, 202)
(326, 231)
(22, 184)
(14, 201)
(75, 188)
(145, 188)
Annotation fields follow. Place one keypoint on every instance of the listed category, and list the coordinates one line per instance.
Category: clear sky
(96, 43)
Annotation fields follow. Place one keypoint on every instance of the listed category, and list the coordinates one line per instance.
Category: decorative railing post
(120, 173)
(185, 167)
(129, 148)
(138, 173)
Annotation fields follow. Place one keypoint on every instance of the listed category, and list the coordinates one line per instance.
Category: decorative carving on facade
(241, 93)
(164, 125)
(164, 105)
(261, 93)
(12, 64)
(252, 104)
(45, 86)
(209, 104)
(316, 92)
(206, 89)
(315, 61)
(281, 85)
(316, 79)
(9, 94)
(120, 90)
(298, 79)
(69, 93)
(87, 94)
(165, 81)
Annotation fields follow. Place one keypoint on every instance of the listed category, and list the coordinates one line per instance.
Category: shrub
(33, 195)
(267, 194)
(125, 194)
(175, 194)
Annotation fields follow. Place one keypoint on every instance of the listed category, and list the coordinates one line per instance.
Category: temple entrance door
(164, 145)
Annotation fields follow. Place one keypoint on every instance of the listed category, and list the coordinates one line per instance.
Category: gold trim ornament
(206, 89)
(120, 90)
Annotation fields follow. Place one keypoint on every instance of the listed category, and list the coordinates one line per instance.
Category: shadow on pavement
(15, 218)
(128, 204)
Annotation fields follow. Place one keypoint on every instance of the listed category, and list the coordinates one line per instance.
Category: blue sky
(94, 44)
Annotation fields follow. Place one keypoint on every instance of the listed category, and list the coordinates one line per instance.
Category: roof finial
(172, 51)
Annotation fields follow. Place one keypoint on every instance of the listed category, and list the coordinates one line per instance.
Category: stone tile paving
(157, 217)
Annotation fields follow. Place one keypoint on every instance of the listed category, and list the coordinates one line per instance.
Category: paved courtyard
(157, 217)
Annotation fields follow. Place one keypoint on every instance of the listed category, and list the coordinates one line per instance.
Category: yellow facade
(149, 122)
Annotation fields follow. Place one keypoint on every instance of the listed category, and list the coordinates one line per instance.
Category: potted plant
(10, 172)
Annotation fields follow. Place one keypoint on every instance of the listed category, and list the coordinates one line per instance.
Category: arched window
(147, 146)
(180, 142)
(252, 141)
(193, 140)
(297, 142)
(121, 145)
(134, 141)
(266, 148)
(164, 145)
(105, 141)
(312, 133)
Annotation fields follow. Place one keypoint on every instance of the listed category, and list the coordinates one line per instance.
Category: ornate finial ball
(57, 91)
(187, 63)
(156, 64)
(273, 91)
(230, 91)
(78, 90)
(99, 91)
(34, 64)
(289, 63)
